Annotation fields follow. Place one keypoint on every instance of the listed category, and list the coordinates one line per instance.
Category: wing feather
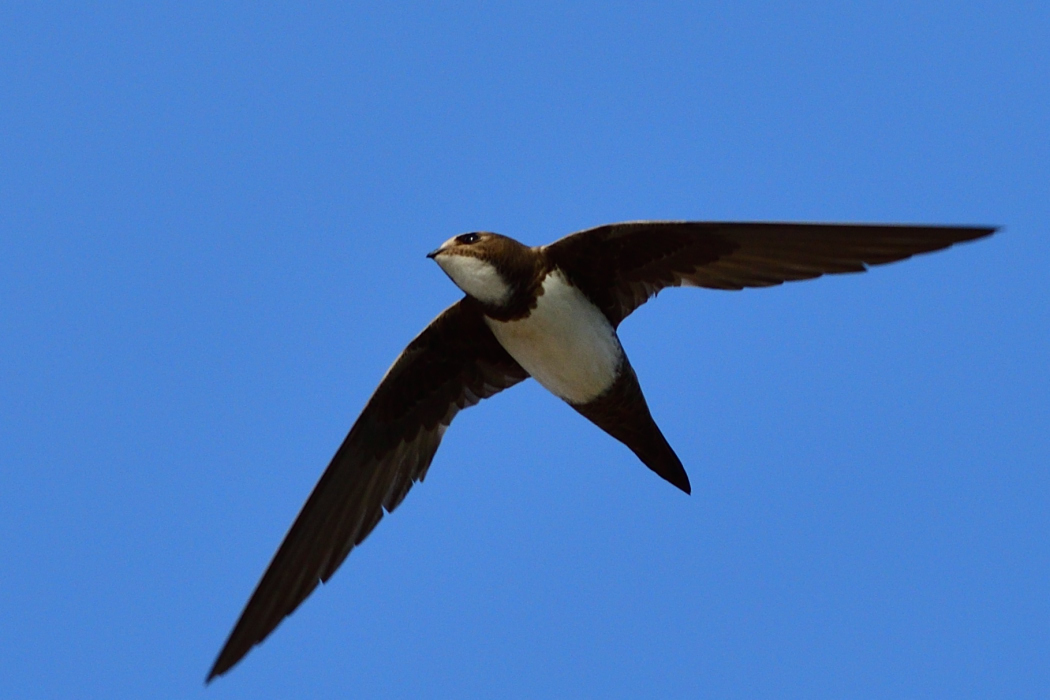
(620, 266)
(454, 363)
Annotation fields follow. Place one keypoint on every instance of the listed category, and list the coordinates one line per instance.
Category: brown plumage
(623, 413)
(454, 363)
(619, 266)
(457, 361)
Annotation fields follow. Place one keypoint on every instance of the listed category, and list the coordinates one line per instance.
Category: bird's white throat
(478, 278)
(566, 343)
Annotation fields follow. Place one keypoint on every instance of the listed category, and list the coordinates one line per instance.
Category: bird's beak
(434, 253)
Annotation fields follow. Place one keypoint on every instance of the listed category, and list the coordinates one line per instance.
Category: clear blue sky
(213, 223)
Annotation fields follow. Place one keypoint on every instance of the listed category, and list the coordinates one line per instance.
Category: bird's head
(487, 266)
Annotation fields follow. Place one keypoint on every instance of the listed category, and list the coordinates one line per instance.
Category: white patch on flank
(478, 278)
(565, 343)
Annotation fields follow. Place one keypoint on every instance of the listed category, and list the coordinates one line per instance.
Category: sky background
(213, 222)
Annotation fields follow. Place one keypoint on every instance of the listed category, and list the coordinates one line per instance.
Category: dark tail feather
(661, 459)
(622, 412)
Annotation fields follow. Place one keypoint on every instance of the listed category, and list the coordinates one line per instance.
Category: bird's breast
(566, 343)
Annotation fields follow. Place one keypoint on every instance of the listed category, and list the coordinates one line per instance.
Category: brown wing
(620, 266)
(454, 363)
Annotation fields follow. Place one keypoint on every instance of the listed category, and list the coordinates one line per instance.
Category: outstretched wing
(620, 266)
(454, 363)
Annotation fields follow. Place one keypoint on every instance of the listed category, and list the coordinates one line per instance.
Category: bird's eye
(468, 238)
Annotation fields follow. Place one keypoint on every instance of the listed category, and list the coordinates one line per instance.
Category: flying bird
(550, 313)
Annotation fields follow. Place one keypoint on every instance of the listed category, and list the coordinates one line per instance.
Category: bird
(550, 313)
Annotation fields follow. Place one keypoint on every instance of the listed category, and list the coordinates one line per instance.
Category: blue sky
(213, 222)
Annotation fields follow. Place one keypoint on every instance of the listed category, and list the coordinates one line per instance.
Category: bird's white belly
(566, 343)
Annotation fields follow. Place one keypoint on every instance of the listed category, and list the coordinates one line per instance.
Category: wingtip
(221, 666)
(982, 231)
(213, 674)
